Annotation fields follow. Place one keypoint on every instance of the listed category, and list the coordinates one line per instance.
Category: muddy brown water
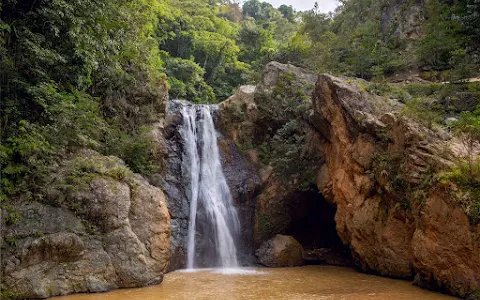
(309, 282)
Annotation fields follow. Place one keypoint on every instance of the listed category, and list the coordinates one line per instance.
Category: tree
(288, 12)
(76, 73)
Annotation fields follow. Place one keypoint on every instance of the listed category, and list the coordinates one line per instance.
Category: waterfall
(213, 226)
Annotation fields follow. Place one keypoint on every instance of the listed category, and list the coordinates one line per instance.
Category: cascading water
(213, 226)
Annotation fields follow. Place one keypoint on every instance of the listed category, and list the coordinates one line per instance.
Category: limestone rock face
(280, 251)
(431, 239)
(363, 145)
(108, 232)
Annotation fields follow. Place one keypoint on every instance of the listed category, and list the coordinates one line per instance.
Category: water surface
(309, 282)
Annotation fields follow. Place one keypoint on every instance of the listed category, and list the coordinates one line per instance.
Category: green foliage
(264, 32)
(391, 176)
(90, 228)
(443, 38)
(80, 175)
(284, 146)
(423, 90)
(288, 12)
(187, 82)
(290, 98)
(11, 241)
(9, 295)
(377, 88)
(357, 40)
(288, 157)
(387, 171)
(12, 218)
(201, 50)
(75, 74)
(119, 173)
(465, 177)
(137, 150)
(468, 129)
(424, 111)
(465, 174)
(348, 43)
(261, 11)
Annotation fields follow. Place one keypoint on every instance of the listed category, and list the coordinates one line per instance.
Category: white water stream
(210, 196)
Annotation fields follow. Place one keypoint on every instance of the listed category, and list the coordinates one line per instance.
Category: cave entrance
(313, 225)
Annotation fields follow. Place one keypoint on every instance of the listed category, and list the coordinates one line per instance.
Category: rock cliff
(374, 173)
(102, 227)
(413, 230)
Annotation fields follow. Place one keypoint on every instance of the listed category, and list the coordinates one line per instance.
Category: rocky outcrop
(391, 230)
(280, 251)
(374, 166)
(250, 120)
(176, 187)
(428, 237)
(102, 227)
(402, 19)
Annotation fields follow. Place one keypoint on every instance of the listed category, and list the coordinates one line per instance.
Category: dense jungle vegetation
(93, 73)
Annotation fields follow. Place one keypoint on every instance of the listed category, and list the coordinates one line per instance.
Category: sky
(324, 5)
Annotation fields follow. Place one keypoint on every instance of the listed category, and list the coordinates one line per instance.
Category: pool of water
(309, 282)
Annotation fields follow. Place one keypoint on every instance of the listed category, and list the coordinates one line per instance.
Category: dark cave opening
(313, 225)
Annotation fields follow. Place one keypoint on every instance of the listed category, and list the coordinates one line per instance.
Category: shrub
(465, 179)
(289, 157)
(12, 218)
(465, 174)
(389, 172)
(422, 90)
(424, 111)
(378, 88)
(136, 150)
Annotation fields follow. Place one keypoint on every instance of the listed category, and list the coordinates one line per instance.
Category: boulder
(110, 230)
(280, 251)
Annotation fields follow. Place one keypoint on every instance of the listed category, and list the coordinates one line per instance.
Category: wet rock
(176, 187)
(328, 256)
(280, 251)
(244, 183)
